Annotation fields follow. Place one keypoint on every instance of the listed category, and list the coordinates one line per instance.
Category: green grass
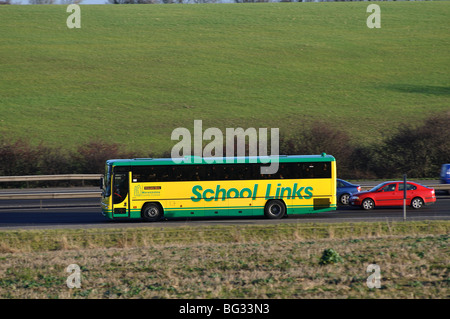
(66, 239)
(134, 73)
(246, 261)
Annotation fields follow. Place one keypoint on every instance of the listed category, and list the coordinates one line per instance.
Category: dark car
(391, 194)
(344, 190)
(445, 174)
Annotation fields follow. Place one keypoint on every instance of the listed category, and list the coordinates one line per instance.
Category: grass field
(254, 261)
(134, 73)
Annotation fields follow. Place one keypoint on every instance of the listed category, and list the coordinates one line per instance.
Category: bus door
(120, 193)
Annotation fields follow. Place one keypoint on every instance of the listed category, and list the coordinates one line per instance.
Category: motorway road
(85, 213)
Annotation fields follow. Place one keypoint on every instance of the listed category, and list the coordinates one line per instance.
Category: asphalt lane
(85, 213)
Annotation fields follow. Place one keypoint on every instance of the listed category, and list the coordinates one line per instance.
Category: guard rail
(93, 194)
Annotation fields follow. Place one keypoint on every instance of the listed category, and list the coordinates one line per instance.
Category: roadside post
(404, 197)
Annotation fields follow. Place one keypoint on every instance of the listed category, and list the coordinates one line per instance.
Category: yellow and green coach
(156, 188)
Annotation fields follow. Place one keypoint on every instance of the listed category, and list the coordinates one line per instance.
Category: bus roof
(195, 160)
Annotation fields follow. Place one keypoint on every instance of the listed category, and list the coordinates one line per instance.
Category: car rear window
(409, 187)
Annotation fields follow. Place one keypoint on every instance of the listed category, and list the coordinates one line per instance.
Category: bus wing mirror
(101, 182)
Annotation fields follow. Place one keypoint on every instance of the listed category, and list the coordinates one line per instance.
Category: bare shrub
(321, 137)
(90, 158)
(415, 150)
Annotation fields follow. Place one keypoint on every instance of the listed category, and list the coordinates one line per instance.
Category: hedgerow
(416, 150)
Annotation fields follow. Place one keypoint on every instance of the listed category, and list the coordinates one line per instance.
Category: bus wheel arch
(275, 209)
(152, 211)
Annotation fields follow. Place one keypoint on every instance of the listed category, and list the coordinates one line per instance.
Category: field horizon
(133, 73)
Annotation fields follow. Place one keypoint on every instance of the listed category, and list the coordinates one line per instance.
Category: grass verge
(249, 261)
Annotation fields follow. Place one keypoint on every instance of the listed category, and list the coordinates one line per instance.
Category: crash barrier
(93, 194)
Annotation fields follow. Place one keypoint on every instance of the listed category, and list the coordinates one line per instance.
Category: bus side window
(218, 170)
(280, 172)
(294, 170)
(177, 173)
(197, 175)
(209, 174)
(164, 173)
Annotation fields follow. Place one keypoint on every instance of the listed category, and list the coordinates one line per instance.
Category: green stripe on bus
(222, 160)
(225, 211)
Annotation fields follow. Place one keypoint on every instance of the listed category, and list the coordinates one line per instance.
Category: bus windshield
(107, 180)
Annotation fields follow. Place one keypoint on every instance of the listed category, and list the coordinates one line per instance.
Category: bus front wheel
(275, 209)
(152, 212)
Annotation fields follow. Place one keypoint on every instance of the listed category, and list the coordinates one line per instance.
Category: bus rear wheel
(152, 212)
(275, 209)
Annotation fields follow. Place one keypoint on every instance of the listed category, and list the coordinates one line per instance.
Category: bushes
(321, 137)
(90, 158)
(21, 158)
(16, 158)
(417, 150)
(330, 256)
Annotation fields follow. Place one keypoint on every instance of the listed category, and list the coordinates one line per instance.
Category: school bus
(156, 188)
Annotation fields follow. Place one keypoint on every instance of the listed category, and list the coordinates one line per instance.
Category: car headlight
(354, 197)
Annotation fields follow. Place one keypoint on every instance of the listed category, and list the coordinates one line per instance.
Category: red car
(391, 194)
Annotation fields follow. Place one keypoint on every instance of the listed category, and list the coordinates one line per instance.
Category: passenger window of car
(409, 187)
(389, 188)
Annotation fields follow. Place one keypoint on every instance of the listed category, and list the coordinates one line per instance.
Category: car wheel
(344, 199)
(368, 204)
(274, 209)
(417, 203)
(152, 212)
